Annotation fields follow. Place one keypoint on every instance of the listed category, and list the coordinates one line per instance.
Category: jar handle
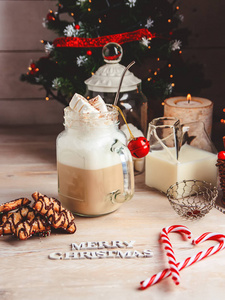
(128, 174)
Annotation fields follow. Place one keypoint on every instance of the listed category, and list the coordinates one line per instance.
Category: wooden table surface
(27, 164)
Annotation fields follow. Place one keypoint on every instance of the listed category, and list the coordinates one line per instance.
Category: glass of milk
(95, 168)
(178, 152)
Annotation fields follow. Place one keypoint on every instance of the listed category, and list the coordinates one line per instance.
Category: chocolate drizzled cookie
(20, 219)
(51, 208)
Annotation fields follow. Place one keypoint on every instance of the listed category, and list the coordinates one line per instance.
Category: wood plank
(24, 112)
(21, 24)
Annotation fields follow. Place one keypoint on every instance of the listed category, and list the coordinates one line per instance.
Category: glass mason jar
(133, 103)
(95, 168)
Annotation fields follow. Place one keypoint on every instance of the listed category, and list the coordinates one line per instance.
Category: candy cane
(190, 260)
(169, 250)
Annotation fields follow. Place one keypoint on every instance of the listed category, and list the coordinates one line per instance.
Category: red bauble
(77, 27)
(50, 16)
(139, 147)
(33, 69)
(221, 155)
(33, 66)
(89, 52)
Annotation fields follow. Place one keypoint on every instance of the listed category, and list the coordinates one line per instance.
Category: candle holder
(192, 199)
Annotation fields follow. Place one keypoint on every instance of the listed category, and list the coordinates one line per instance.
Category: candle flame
(188, 98)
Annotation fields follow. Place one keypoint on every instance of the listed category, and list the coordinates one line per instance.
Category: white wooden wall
(21, 31)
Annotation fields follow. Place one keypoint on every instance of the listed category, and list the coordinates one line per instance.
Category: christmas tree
(148, 31)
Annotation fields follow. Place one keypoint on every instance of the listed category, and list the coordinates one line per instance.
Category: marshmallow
(98, 103)
(80, 104)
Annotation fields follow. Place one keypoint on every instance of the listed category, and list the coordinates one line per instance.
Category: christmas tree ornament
(50, 16)
(77, 27)
(89, 52)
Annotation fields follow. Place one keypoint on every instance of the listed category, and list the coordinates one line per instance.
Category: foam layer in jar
(88, 140)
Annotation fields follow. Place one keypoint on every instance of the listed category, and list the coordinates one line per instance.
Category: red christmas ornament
(33, 69)
(139, 147)
(33, 66)
(50, 16)
(89, 52)
(77, 27)
(221, 155)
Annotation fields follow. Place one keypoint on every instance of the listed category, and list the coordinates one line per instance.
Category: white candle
(197, 109)
(161, 172)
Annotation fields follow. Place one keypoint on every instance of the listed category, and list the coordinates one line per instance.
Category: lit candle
(190, 109)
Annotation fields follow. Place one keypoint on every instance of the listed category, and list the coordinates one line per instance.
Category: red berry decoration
(89, 52)
(77, 27)
(221, 155)
(139, 147)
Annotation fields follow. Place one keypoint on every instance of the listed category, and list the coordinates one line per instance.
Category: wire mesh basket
(192, 199)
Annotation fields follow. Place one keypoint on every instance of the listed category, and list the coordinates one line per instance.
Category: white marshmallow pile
(80, 106)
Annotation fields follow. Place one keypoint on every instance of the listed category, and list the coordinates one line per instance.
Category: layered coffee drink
(95, 171)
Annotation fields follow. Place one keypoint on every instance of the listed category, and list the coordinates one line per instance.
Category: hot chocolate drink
(95, 168)
(90, 192)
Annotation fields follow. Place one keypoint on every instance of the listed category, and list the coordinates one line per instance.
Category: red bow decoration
(120, 38)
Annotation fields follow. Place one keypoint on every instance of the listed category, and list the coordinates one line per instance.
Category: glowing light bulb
(169, 65)
(169, 20)
(171, 76)
(46, 98)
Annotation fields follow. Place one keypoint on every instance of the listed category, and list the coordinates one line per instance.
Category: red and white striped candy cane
(190, 260)
(169, 249)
